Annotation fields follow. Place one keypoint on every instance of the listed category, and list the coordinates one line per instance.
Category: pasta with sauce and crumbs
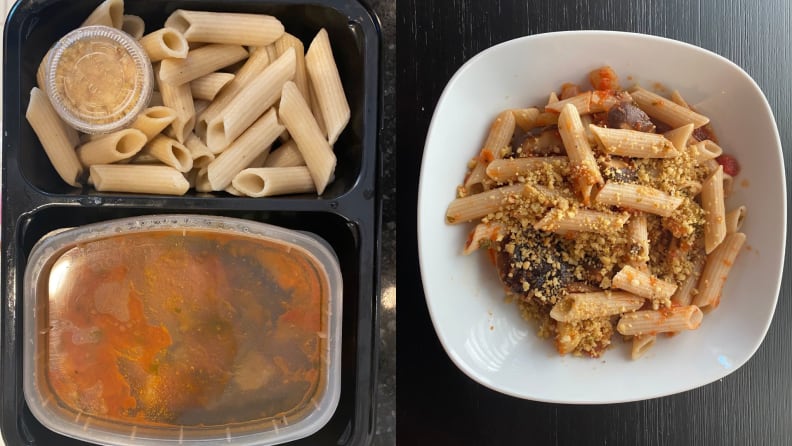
(604, 211)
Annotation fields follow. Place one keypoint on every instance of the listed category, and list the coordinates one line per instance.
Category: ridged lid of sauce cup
(98, 79)
(182, 329)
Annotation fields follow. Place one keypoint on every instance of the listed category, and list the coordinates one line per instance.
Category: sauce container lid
(98, 79)
(71, 324)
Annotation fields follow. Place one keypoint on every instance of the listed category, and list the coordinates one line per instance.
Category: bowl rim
(420, 221)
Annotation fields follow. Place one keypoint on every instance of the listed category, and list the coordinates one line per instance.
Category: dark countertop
(437, 403)
(385, 429)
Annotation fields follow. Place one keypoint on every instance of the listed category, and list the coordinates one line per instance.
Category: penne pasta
(679, 136)
(138, 179)
(638, 236)
(706, 150)
(585, 173)
(153, 120)
(687, 290)
(327, 85)
(269, 181)
(200, 62)
(108, 13)
(586, 103)
(179, 99)
(483, 236)
(170, 152)
(666, 111)
(581, 220)
(479, 205)
(133, 25)
(57, 138)
(643, 284)
(202, 183)
(201, 155)
(206, 87)
(287, 155)
(580, 306)
(495, 146)
(677, 98)
(642, 198)
(226, 27)
(112, 148)
(712, 202)
(641, 344)
(525, 118)
(511, 169)
(250, 103)
(298, 119)
(734, 219)
(255, 141)
(165, 43)
(300, 71)
(716, 271)
(660, 321)
(632, 143)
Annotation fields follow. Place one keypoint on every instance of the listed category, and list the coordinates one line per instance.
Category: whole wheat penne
(108, 13)
(641, 344)
(226, 27)
(113, 147)
(253, 66)
(734, 219)
(138, 179)
(206, 87)
(665, 110)
(638, 197)
(581, 306)
(328, 88)
(250, 103)
(638, 236)
(269, 181)
(495, 146)
(581, 220)
(502, 170)
(525, 118)
(660, 321)
(687, 289)
(568, 337)
(705, 150)
(468, 208)
(632, 143)
(200, 62)
(57, 138)
(586, 102)
(483, 235)
(287, 155)
(256, 140)
(165, 43)
(677, 98)
(179, 98)
(298, 119)
(643, 284)
(133, 25)
(300, 71)
(715, 209)
(679, 136)
(170, 152)
(201, 155)
(585, 172)
(153, 120)
(716, 270)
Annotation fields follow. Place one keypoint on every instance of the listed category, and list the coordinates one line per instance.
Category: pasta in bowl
(603, 212)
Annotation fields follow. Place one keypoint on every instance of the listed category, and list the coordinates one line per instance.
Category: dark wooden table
(436, 403)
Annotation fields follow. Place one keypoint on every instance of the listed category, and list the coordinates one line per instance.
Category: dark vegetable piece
(627, 116)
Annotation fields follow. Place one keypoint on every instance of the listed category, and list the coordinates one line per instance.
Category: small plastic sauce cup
(98, 79)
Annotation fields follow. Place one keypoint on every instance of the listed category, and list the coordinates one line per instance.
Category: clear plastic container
(182, 329)
(98, 79)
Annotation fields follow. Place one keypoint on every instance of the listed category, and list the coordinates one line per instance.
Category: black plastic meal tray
(36, 201)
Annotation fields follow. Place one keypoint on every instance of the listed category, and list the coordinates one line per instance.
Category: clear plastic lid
(98, 79)
(182, 329)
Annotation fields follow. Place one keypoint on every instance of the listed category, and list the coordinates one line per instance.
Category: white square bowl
(483, 334)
